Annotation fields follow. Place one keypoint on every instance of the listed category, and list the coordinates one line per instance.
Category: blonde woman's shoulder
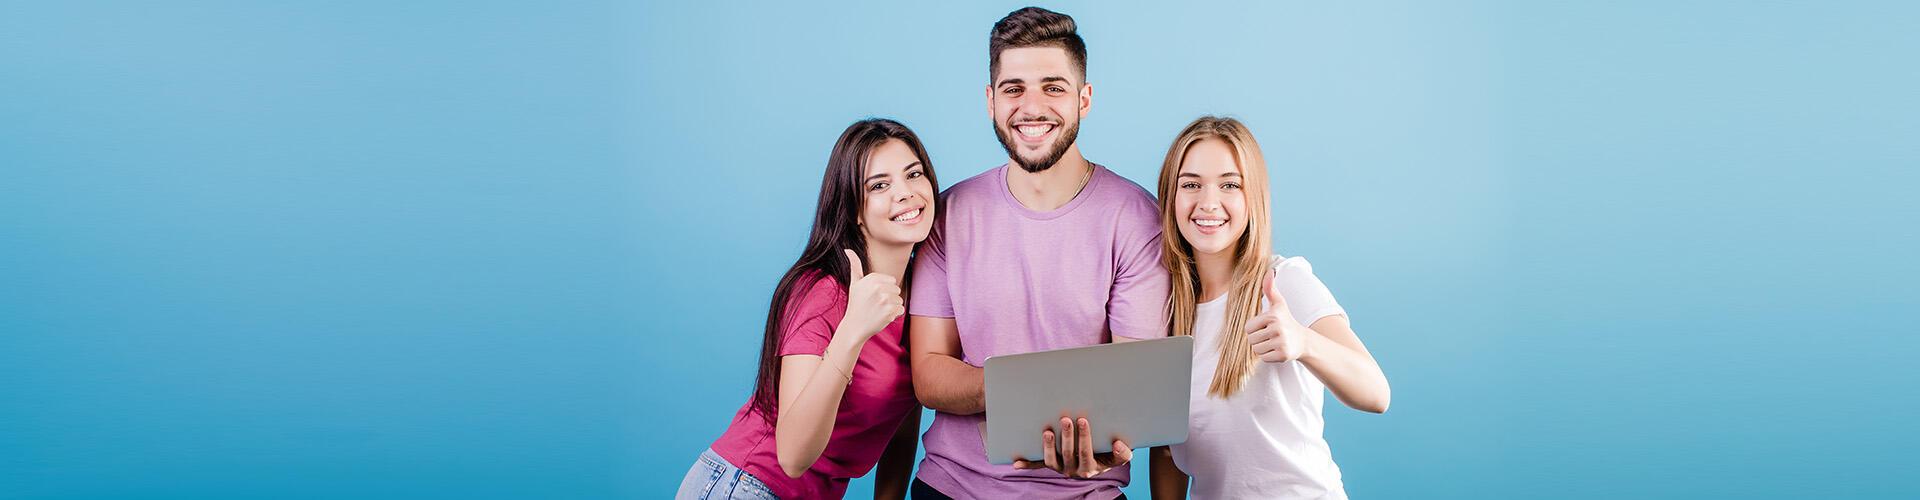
(1305, 293)
(1295, 265)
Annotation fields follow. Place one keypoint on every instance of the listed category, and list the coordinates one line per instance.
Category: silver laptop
(1133, 391)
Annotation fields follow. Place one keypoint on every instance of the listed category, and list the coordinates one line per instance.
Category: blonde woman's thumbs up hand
(1275, 336)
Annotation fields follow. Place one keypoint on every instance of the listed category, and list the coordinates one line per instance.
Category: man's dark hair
(1036, 27)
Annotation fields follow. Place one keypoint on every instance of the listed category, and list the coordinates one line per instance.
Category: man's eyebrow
(1017, 81)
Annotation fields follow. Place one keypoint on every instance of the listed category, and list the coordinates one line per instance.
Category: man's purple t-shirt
(1016, 280)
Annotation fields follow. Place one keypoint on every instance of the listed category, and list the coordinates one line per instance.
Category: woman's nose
(1209, 202)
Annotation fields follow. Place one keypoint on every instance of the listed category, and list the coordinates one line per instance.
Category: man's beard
(1068, 133)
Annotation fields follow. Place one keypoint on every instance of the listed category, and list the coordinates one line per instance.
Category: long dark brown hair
(836, 226)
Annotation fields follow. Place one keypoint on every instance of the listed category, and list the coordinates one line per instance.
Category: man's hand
(1275, 336)
(1074, 457)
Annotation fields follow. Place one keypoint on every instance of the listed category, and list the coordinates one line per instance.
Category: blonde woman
(1269, 335)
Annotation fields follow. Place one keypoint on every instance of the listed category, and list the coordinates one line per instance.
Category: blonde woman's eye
(1190, 185)
(1231, 186)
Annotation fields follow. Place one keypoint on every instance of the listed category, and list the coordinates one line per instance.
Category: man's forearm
(1169, 482)
(894, 474)
(947, 384)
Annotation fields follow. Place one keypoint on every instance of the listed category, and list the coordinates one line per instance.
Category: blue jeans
(713, 478)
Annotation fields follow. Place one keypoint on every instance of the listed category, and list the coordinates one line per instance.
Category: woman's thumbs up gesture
(1276, 337)
(873, 300)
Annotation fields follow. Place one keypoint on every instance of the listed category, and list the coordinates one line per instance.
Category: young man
(1048, 251)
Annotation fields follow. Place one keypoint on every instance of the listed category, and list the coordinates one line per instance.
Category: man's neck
(1052, 188)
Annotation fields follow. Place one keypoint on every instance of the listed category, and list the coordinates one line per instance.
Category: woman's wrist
(1316, 345)
(843, 352)
(847, 340)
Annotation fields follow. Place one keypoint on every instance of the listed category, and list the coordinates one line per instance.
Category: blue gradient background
(523, 250)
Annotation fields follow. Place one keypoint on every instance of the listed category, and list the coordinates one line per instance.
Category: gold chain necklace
(1084, 180)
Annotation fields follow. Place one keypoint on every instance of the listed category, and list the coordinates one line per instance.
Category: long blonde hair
(1250, 254)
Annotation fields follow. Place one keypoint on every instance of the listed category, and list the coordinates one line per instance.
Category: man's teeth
(1035, 130)
(1209, 222)
(909, 215)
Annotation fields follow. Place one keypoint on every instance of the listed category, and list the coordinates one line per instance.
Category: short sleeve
(930, 295)
(1137, 306)
(1306, 295)
(812, 314)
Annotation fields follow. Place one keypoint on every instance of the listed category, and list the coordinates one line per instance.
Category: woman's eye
(877, 186)
(1190, 185)
(914, 174)
(1230, 185)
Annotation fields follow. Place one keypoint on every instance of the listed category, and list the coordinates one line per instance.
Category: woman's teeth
(907, 216)
(1209, 222)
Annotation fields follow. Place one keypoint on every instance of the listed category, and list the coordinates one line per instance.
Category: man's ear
(1086, 98)
(989, 101)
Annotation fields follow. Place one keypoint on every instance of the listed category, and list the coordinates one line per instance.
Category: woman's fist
(873, 301)
(1275, 336)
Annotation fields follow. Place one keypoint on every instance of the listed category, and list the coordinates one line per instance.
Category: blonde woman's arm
(1330, 349)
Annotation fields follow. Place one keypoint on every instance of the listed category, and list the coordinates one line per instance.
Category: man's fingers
(1069, 456)
(1121, 453)
(853, 263)
(1047, 450)
(1021, 462)
(1085, 435)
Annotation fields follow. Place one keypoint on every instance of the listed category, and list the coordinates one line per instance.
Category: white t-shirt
(1265, 441)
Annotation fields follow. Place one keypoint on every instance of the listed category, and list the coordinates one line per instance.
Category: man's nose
(1030, 106)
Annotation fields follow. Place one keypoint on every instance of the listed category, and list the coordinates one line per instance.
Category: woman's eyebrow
(1198, 176)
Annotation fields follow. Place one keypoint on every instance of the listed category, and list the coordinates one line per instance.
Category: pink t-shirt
(870, 411)
(1016, 280)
